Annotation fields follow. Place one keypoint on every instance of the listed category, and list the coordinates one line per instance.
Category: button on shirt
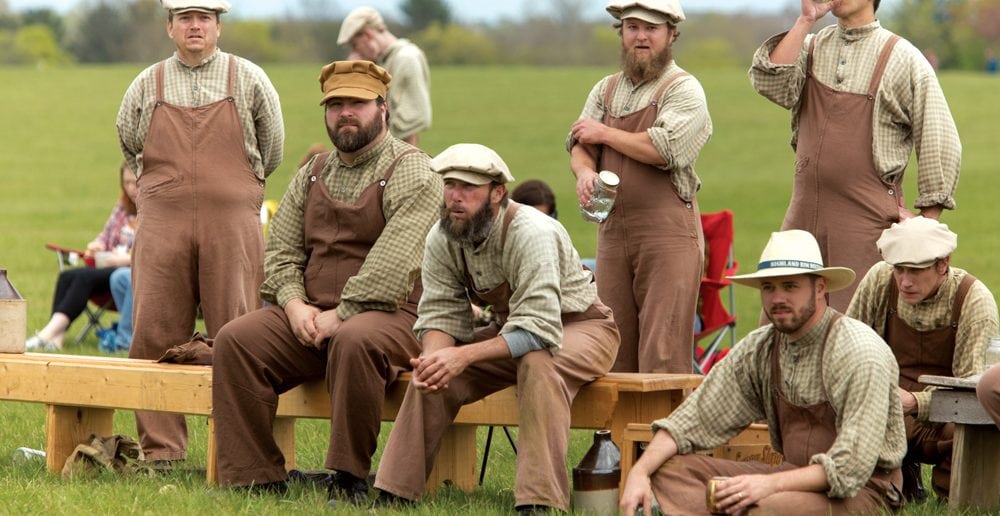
(682, 127)
(910, 108)
(538, 261)
(410, 203)
(857, 375)
(191, 86)
(978, 323)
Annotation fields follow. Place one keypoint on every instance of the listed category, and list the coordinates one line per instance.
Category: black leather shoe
(532, 510)
(347, 489)
(913, 482)
(387, 500)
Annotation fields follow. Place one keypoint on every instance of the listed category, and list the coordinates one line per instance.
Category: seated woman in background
(75, 286)
(536, 194)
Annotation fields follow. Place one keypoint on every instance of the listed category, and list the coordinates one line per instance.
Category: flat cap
(205, 6)
(652, 11)
(357, 20)
(356, 79)
(916, 242)
(472, 163)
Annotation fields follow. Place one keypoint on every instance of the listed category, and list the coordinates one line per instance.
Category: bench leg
(212, 460)
(456, 460)
(67, 427)
(284, 437)
(975, 468)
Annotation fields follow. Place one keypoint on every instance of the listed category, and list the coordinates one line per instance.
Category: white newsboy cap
(794, 252)
(916, 242)
(472, 163)
(652, 11)
(356, 21)
(205, 6)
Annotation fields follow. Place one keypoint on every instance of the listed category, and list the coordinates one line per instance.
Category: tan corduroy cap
(652, 11)
(472, 163)
(355, 79)
(205, 6)
(357, 20)
(917, 242)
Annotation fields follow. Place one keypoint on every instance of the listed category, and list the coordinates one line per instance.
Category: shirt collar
(367, 155)
(815, 335)
(203, 62)
(857, 33)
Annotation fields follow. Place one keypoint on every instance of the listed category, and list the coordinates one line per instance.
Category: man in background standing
(647, 124)
(410, 96)
(202, 130)
(862, 99)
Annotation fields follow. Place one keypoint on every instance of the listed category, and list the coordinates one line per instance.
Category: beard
(797, 319)
(351, 141)
(470, 232)
(641, 70)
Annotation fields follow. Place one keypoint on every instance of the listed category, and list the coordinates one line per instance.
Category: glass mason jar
(605, 190)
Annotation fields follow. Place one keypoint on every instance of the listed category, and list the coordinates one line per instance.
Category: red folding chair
(102, 303)
(717, 321)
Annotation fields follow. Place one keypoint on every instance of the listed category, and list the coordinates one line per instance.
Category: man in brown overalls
(938, 320)
(202, 129)
(825, 384)
(647, 124)
(862, 100)
(550, 334)
(343, 267)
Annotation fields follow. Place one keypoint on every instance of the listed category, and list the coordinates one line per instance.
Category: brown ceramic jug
(596, 478)
(13, 317)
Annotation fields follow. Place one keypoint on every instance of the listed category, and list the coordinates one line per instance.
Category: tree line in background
(956, 34)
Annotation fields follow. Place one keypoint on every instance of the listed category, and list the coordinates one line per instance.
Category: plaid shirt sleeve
(410, 95)
(284, 252)
(444, 305)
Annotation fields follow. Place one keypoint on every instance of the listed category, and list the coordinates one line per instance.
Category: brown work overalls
(838, 195)
(650, 252)
(546, 386)
(988, 392)
(805, 431)
(198, 239)
(926, 352)
(257, 356)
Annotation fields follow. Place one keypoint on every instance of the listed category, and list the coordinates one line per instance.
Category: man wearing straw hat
(647, 124)
(342, 275)
(938, 320)
(825, 383)
(550, 336)
(202, 130)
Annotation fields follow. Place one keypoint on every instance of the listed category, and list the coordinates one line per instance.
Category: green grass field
(59, 156)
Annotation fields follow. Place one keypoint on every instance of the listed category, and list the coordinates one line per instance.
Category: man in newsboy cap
(937, 319)
(202, 130)
(825, 384)
(342, 268)
(647, 123)
(366, 33)
(550, 335)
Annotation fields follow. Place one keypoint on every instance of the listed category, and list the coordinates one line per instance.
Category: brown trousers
(988, 392)
(931, 443)
(679, 487)
(257, 357)
(546, 386)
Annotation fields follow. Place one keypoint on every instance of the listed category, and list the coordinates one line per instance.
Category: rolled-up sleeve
(779, 83)
(683, 125)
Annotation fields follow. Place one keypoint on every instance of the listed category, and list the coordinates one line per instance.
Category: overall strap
(883, 61)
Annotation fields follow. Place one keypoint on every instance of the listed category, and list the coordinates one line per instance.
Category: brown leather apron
(650, 252)
(837, 194)
(198, 238)
(926, 352)
(339, 235)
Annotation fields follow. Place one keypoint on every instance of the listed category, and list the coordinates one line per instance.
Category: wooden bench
(975, 457)
(81, 394)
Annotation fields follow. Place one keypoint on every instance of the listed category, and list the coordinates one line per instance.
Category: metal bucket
(13, 317)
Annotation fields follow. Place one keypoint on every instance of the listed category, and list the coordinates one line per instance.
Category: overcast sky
(466, 10)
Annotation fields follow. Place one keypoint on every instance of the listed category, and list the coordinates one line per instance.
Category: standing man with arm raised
(862, 99)
(202, 129)
(647, 123)
(410, 96)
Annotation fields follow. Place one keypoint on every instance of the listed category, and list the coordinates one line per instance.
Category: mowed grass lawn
(59, 156)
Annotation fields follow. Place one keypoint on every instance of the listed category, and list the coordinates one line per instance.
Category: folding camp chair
(102, 303)
(714, 316)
